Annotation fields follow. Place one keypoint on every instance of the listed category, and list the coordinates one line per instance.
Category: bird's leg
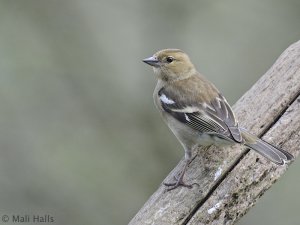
(179, 180)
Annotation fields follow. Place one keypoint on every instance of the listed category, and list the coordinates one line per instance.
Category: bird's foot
(179, 178)
(179, 182)
(172, 186)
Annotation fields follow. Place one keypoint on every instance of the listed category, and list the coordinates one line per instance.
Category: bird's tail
(276, 155)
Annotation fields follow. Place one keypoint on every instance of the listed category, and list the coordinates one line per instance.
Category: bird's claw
(172, 186)
(179, 182)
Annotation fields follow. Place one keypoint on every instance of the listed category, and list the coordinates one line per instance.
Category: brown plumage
(197, 113)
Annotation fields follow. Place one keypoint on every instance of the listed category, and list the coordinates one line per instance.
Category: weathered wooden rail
(230, 180)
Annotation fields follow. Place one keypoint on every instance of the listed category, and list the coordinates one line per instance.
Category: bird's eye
(169, 59)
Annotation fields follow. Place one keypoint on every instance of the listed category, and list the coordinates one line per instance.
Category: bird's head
(171, 64)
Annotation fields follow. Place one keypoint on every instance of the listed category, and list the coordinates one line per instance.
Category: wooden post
(230, 180)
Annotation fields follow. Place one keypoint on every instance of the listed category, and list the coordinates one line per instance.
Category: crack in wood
(246, 151)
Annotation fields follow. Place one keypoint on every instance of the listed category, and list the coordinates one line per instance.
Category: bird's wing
(213, 117)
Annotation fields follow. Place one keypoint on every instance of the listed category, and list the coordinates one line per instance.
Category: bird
(197, 112)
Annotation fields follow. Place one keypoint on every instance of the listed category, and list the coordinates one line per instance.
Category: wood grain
(230, 180)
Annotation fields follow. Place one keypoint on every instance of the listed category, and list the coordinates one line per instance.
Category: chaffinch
(197, 113)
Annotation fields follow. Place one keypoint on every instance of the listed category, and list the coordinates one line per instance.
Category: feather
(215, 116)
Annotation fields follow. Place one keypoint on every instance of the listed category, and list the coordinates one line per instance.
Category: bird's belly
(190, 137)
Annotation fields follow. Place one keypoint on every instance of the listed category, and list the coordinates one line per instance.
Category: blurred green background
(80, 137)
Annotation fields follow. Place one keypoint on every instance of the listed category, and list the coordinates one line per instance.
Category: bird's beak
(152, 61)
